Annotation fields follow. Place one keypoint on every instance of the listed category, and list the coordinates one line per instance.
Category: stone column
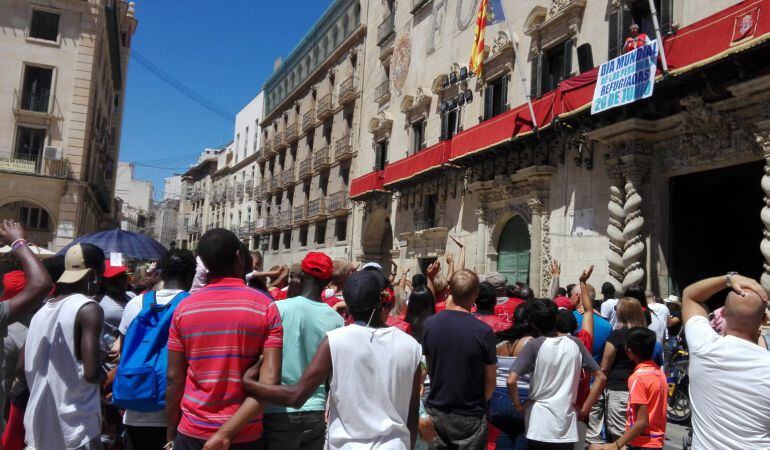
(481, 242)
(615, 231)
(540, 249)
(763, 139)
(633, 249)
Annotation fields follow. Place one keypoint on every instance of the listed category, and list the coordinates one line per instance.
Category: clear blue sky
(223, 50)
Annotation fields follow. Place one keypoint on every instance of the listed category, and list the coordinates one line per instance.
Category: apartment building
(310, 130)
(136, 196)
(195, 215)
(632, 190)
(62, 88)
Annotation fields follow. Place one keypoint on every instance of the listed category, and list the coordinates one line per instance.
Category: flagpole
(527, 93)
(662, 51)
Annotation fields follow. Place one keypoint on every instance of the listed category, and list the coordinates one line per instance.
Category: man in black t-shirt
(460, 351)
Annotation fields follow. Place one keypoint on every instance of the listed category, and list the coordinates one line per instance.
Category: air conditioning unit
(54, 153)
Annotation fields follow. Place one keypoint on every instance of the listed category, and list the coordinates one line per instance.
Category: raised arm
(588, 304)
(433, 270)
(461, 260)
(555, 269)
(283, 274)
(269, 373)
(697, 293)
(294, 395)
(37, 282)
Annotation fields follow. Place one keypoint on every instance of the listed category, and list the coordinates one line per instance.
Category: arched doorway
(377, 238)
(513, 251)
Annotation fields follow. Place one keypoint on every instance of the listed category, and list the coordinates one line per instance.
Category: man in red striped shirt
(216, 334)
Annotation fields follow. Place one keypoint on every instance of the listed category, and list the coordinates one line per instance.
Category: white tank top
(371, 387)
(63, 410)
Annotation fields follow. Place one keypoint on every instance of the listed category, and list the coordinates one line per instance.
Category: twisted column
(764, 142)
(615, 232)
(633, 249)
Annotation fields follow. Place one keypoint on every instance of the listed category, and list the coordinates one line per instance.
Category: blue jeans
(503, 415)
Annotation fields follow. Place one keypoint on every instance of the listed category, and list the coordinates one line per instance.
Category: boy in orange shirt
(648, 396)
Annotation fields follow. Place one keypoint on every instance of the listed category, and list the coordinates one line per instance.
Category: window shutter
(545, 75)
(534, 89)
(666, 16)
(567, 59)
(504, 93)
(444, 127)
(488, 101)
(628, 19)
(614, 41)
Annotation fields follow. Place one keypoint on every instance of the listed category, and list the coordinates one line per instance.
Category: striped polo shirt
(222, 329)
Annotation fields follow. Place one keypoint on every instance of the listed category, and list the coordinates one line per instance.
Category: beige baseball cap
(74, 265)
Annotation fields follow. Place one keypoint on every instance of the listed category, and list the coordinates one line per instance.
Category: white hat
(371, 265)
(672, 299)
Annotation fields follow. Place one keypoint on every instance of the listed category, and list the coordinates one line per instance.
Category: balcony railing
(338, 202)
(271, 222)
(308, 120)
(249, 188)
(285, 219)
(300, 214)
(243, 231)
(287, 177)
(267, 148)
(36, 165)
(348, 90)
(194, 228)
(324, 107)
(305, 168)
(261, 189)
(382, 92)
(275, 183)
(38, 103)
(424, 223)
(321, 158)
(385, 29)
(278, 141)
(291, 134)
(317, 208)
(342, 149)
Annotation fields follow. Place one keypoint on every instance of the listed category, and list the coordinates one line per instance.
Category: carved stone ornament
(381, 124)
(501, 42)
(706, 137)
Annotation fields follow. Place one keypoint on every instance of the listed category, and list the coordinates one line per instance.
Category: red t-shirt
(278, 294)
(400, 323)
(648, 386)
(333, 298)
(222, 329)
(584, 386)
(497, 323)
(506, 310)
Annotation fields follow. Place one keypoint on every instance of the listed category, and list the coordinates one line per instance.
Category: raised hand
(740, 284)
(11, 231)
(586, 274)
(433, 269)
(555, 268)
(450, 259)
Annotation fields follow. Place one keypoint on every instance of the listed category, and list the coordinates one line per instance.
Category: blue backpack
(140, 382)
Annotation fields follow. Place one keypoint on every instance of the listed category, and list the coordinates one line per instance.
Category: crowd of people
(211, 352)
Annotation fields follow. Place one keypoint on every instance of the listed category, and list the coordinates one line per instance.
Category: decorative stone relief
(615, 233)
(763, 140)
(540, 251)
(633, 248)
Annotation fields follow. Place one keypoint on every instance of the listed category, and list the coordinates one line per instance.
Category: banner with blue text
(626, 79)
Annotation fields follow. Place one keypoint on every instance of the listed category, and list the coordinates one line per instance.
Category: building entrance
(715, 224)
(513, 251)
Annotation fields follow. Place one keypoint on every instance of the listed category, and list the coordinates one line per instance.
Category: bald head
(744, 315)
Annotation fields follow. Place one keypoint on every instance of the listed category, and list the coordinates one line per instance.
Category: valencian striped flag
(477, 52)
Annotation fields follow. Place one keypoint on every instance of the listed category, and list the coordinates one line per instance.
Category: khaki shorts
(608, 413)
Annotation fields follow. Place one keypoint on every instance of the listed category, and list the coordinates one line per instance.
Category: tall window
(381, 155)
(449, 121)
(44, 25)
(496, 97)
(428, 212)
(637, 11)
(29, 143)
(287, 239)
(303, 236)
(33, 218)
(341, 228)
(320, 232)
(418, 135)
(551, 67)
(36, 90)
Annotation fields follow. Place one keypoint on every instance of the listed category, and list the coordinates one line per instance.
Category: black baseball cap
(362, 290)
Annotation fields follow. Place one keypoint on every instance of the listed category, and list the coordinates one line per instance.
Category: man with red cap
(114, 296)
(306, 319)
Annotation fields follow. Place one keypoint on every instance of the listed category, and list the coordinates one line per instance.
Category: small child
(648, 396)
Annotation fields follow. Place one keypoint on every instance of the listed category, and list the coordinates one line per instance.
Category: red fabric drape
(427, 159)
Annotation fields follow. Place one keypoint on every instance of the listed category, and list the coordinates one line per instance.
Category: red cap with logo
(318, 265)
(112, 271)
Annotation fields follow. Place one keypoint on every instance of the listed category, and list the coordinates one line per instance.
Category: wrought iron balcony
(305, 168)
(348, 90)
(262, 189)
(342, 149)
(386, 29)
(279, 143)
(300, 214)
(338, 202)
(317, 209)
(271, 222)
(285, 219)
(287, 177)
(308, 120)
(292, 134)
(324, 107)
(35, 105)
(275, 183)
(382, 92)
(321, 158)
(267, 148)
(35, 165)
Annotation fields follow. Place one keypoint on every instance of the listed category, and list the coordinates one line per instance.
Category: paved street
(674, 436)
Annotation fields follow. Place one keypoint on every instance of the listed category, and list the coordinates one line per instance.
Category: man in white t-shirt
(147, 430)
(659, 315)
(374, 391)
(729, 387)
(609, 303)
